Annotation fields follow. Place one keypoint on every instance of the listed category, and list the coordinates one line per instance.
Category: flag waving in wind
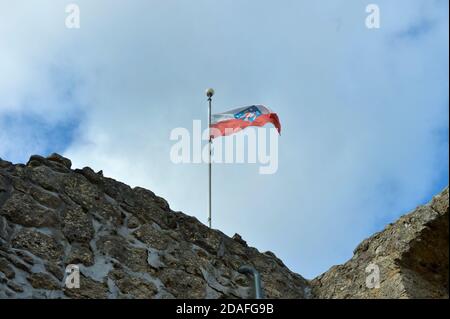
(230, 122)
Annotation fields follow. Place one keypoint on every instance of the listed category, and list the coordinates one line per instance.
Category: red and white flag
(230, 122)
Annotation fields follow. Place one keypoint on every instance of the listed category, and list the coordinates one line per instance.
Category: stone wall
(411, 257)
(127, 242)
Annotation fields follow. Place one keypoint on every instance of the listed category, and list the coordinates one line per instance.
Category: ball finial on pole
(209, 92)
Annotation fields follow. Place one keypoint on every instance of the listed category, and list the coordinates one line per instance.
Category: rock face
(410, 258)
(127, 242)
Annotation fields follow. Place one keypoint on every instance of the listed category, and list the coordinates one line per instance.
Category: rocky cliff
(410, 258)
(128, 243)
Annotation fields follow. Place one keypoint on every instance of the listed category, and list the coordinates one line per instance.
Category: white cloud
(359, 108)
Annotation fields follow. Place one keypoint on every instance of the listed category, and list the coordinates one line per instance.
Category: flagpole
(209, 94)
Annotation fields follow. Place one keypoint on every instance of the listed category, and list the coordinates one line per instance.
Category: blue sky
(364, 112)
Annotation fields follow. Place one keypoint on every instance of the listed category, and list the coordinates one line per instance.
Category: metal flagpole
(209, 94)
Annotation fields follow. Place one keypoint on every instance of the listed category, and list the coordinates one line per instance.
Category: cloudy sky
(364, 111)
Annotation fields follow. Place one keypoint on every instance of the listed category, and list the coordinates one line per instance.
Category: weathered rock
(81, 191)
(183, 285)
(15, 261)
(89, 289)
(92, 176)
(14, 286)
(411, 256)
(38, 244)
(4, 164)
(153, 236)
(80, 254)
(36, 160)
(129, 256)
(25, 256)
(109, 211)
(43, 281)
(128, 243)
(46, 178)
(132, 286)
(3, 184)
(22, 209)
(77, 224)
(6, 230)
(60, 159)
(133, 222)
(6, 269)
(55, 269)
(239, 239)
(45, 198)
